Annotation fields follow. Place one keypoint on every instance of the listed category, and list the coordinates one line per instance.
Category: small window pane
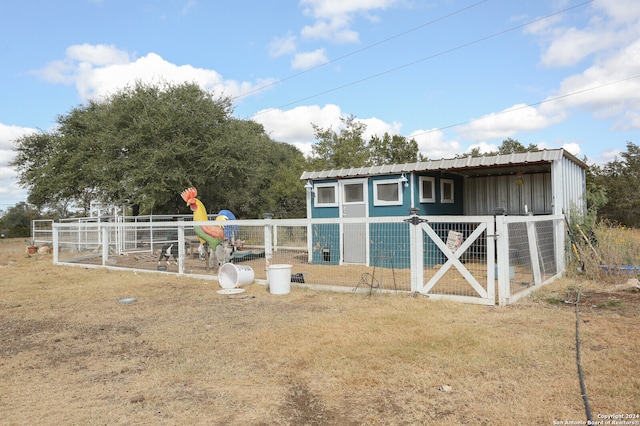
(388, 192)
(446, 186)
(353, 193)
(326, 194)
(427, 189)
(447, 191)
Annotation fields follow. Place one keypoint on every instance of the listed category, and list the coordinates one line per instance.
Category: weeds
(610, 252)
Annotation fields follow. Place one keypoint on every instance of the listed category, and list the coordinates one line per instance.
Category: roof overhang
(492, 165)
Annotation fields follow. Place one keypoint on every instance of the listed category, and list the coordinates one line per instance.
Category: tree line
(144, 144)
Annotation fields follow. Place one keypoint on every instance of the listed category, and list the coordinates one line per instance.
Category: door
(354, 235)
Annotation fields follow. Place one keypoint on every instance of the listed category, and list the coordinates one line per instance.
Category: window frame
(444, 182)
(318, 186)
(422, 180)
(378, 202)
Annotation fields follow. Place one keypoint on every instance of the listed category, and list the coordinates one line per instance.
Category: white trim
(378, 202)
(443, 200)
(431, 179)
(318, 186)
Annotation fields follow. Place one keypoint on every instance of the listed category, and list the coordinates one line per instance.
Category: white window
(427, 189)
(326, 194)
(446, 191)
(387, 193)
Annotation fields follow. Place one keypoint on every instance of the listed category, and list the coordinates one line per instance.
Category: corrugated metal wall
(562, 189)
(482, 195)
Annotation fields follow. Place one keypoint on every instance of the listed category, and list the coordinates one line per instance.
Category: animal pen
(476, 259)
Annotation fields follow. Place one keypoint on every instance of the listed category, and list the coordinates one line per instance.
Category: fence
(477, 259)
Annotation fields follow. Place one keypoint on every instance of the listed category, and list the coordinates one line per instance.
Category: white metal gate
(479, 280)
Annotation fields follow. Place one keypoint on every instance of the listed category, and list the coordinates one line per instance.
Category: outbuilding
(546, 182)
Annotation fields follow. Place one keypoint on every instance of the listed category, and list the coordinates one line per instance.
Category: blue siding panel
(326, 244)
(390, 245)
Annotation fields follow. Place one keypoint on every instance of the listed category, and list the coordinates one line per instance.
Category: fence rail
(477, 259)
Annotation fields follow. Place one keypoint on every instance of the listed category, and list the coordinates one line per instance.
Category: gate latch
(415, 220)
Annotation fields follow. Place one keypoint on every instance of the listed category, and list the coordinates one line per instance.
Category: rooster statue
(212, 235)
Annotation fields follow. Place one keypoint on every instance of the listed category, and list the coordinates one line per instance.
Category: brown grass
(183, 354)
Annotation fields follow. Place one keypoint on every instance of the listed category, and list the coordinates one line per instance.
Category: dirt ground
(93, 346)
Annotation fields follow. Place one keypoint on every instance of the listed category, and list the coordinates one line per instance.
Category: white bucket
(279, 277)
(232, 276)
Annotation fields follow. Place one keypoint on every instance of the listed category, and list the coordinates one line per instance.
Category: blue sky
(453, 74)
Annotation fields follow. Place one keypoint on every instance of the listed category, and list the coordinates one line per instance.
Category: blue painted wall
(326, 244)
(392, 251)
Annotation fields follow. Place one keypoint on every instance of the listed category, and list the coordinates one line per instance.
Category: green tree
(144, 144)
(508, 146)
(512, 146)
(16, 222)
(340, 150)
(621, 180)
(394, 149)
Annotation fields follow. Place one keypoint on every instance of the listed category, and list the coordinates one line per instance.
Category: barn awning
(529, 162)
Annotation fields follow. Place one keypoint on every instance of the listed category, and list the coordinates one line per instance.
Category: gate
(458, 258)
(468, 258)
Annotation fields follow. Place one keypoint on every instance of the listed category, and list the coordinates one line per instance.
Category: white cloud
(608, 89)
(306, 60)
(335, 30)
(614, 24)
(572, 148)
(327, 9)
(294, 125)
(101, 70)
(506, 123)
(98, 55)
(571, 45)
(433, 144)
(8, 135)
(280, 46)
(484, 147)
(376, 126)
(10, 192)
(333, 18)
(619, 11)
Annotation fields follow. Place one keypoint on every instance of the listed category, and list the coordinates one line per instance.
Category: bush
(611, 253)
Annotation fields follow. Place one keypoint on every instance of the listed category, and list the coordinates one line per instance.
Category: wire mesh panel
(446, 256)
(533, 253)
(41, 231)
(455, 259)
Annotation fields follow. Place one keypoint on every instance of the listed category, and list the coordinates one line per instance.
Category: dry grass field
(70, 353)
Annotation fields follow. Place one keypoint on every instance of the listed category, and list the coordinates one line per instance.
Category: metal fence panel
(453, 257)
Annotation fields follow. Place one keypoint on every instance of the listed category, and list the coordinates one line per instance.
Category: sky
(452, 74)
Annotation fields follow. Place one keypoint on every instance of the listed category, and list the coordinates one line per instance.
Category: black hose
(583, 388)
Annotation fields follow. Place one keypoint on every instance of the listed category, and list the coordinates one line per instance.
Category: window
(427, 189)
(353, 192)
(387, 193)
(326, 194)
(446, 191)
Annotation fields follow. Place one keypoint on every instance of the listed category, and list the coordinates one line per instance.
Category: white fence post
(560, 234)
(502, 249)
(416, 261)
(181, 251)
(104, 228)
(533, 252)
(268, 242)
(54, 237)
(491, 254)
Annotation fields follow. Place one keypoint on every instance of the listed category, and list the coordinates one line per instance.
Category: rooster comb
(189, 193)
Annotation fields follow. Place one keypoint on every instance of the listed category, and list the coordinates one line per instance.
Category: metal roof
(534, 161)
